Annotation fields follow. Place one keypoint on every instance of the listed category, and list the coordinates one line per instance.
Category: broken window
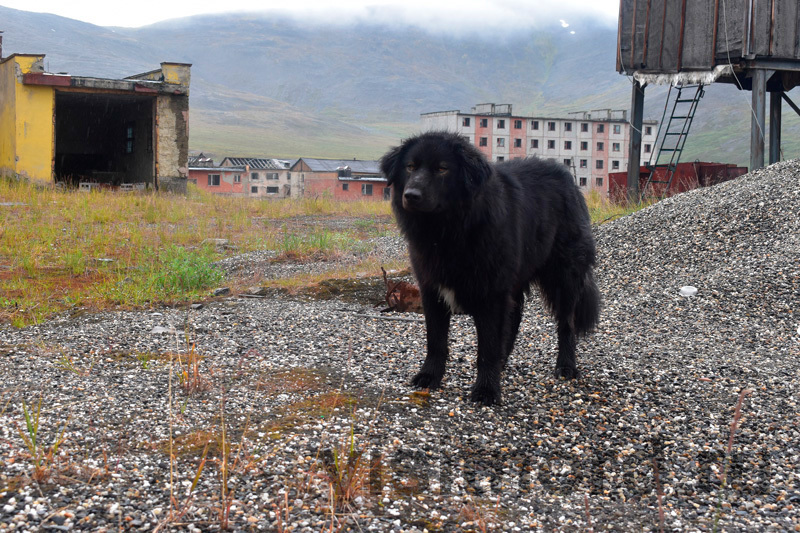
(568, 126)
(600, 147)
(584, 163)
(517, 143)
(273, 190)
(551, 126)
(534, 143)
(500, 159)
(615, 165)
(254, 176)
(130, 130)
(465, 122)
(585, 127)
(601, 128)
(501, 124)
(483, 141)
(647, 148)
(366, 189)
(551, 144)
(535, 125)
(567, 145)
(501, 142)
(598, 182)
(272, 175)
(518, 124)
(484, 122)
(583, 182)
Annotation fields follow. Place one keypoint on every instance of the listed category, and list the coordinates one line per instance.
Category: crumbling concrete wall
(173, 142)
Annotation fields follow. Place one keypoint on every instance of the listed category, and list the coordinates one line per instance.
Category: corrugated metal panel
(673, 35)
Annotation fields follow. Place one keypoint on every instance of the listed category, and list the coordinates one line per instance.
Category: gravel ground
(641, 442)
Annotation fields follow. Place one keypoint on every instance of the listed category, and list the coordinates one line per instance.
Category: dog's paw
(567, 372)
(426, 380)
(485, 394)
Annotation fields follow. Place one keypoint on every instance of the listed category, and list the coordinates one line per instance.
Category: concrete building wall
(172, 126)
(556, 138)
(26, 120)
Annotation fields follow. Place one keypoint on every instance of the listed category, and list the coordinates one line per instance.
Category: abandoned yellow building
(57, 128)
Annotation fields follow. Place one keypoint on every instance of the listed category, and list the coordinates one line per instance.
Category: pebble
(317, 384)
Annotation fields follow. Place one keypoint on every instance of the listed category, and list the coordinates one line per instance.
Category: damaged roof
(259, 163)
(332, 165)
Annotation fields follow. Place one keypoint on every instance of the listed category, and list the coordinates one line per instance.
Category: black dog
(478, 236)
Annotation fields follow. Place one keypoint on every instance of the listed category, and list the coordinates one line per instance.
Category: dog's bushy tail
(587, 306)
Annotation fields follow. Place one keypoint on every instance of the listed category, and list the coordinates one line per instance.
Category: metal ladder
(675, 131)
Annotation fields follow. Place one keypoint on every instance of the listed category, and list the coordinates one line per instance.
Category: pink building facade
(590, 143)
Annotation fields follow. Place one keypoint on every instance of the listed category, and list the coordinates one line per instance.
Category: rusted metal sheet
(41, 78)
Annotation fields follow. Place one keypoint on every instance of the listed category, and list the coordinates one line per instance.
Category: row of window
(551, 125)
(598, 182)
(551, 144)
(366, 190)
(270, 176)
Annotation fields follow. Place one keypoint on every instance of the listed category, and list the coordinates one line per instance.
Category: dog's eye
(411, 167)
(442, 168)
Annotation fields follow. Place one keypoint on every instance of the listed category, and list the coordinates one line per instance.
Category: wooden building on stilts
(754, 44)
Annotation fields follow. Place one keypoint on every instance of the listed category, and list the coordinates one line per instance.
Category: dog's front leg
(437, 322)
(490, 323)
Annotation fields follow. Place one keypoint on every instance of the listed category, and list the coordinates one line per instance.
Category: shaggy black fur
(478, 236)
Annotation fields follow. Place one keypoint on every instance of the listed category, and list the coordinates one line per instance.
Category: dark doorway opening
(104, 138)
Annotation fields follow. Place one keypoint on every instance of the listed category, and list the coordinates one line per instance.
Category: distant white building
(590, 143)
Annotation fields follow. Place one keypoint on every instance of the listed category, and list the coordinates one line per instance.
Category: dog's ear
(389, 163)
(476, 168)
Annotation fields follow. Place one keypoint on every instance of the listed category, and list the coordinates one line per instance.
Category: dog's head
(431, 171)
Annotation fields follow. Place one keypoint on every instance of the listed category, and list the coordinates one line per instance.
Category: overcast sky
(447, 15)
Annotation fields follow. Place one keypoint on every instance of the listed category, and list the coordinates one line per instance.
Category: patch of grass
(602, 210)
(42, 456)
(51, 240)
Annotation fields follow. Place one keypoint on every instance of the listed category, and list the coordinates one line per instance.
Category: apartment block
(590, 143)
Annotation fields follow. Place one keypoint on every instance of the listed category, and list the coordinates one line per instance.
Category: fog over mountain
(278, 85)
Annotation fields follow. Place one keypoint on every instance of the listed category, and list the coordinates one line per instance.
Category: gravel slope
(301, 383)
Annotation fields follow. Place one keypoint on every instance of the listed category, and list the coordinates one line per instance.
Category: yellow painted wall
(29, 134)
(8, 129)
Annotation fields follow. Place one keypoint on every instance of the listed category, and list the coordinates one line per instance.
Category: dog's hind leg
(566, 366)
(512, 329)
(437, 323)
(561, 296)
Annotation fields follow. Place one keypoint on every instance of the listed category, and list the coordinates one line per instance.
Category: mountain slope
(268, 85)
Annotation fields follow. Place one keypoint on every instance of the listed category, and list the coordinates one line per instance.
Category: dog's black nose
(412, 196)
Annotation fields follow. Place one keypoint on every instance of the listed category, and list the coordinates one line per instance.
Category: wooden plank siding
(667, 36)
